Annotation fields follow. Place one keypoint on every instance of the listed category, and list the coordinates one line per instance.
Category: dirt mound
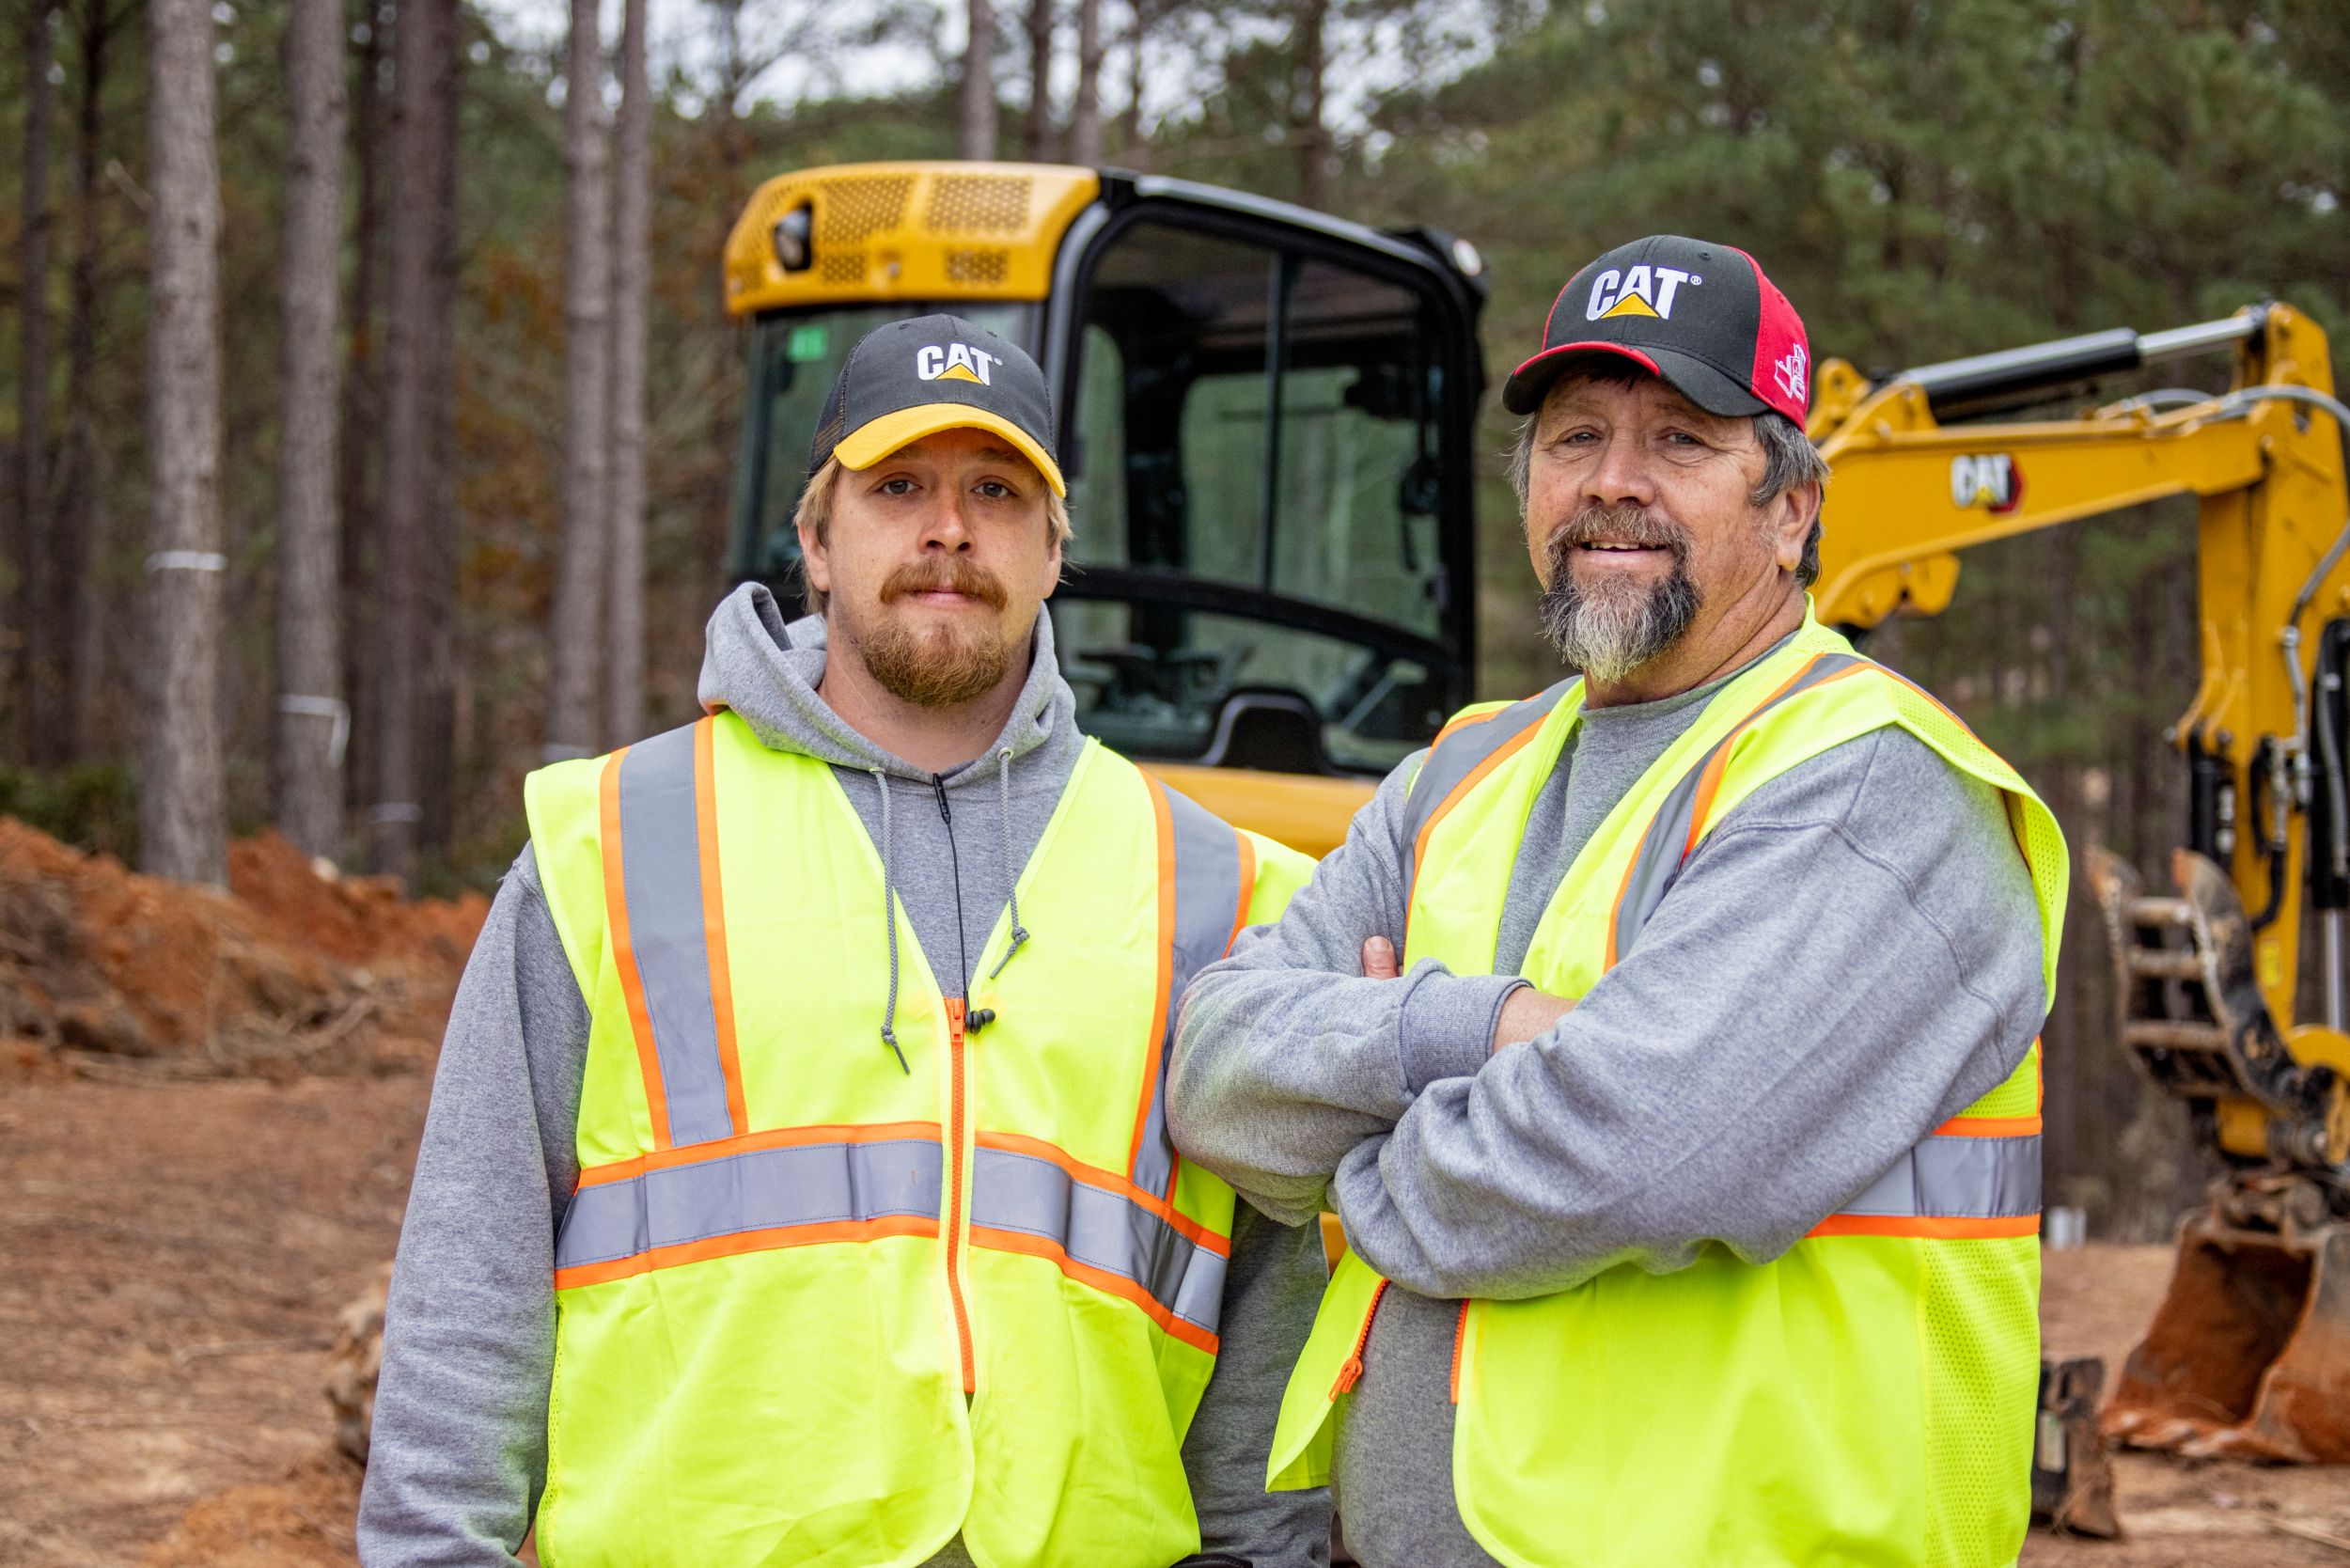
(101, 967)
(302, 1521)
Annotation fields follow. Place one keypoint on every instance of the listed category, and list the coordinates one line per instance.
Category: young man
(796, 1187)
(1690, 1169)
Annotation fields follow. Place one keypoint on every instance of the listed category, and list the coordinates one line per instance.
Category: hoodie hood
(766, 669)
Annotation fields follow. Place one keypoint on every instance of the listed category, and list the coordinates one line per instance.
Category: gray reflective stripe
(1958, 1178)
(763, 1189)
(660, 870)
(1100, 1229)
(1656, 864)
(1207, 909)
(1452, 759)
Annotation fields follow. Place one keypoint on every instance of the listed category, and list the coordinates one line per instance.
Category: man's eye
(1681, 438)
(897, 487)
(995, 490)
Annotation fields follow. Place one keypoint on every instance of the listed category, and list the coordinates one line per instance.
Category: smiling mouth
(1617, 547)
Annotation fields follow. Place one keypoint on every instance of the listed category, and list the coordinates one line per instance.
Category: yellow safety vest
(1868, 1397)
(812, 1308)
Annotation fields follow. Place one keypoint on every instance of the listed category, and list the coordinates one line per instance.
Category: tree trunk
(436, 717)
(1085, 112)
(182, 826)
(82, 519)
(1313, 133)
(632, 283)
(577, 637)
(311, 720)
(409, 485)
(1036, 132)
(1132, 152)
(41, 670)
(363, 418)
(979, 83)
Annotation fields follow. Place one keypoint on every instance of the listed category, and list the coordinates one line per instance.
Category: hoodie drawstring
(889, 924)
(1003, 829)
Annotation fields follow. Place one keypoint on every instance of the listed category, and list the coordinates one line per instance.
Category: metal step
(2172, 1034)
(2164, 963)
(2160, 911)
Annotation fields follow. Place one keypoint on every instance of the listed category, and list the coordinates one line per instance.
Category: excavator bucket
(2249, 1354)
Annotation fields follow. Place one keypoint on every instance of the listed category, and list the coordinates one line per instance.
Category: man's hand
(1526, 1015)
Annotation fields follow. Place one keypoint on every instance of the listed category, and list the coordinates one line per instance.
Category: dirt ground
(192, 1188)
(177, 1252)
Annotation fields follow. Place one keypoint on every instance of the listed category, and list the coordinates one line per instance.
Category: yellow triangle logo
(1631, 305)
(959, 373)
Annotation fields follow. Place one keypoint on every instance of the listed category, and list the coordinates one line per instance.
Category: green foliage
(92, 805)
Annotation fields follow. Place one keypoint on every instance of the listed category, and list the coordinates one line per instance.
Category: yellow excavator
(1267, 417)
(2250, 1350)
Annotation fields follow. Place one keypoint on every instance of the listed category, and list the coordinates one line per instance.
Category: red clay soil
(105, 971)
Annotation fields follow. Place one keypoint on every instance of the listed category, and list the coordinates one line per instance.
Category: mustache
(953, 574)
(1626, 525)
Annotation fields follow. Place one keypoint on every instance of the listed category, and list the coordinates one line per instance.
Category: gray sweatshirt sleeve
(458, 1453)
(1848, 961)
(1286, 1058)
(1271, 1291)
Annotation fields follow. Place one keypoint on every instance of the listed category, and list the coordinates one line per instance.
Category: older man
(1690, 1167)
(796, 1187)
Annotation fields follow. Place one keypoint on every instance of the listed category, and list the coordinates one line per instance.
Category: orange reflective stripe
(715, 920)
(1989, 1127)
(1100, 1279)
(1925, 1227)
(1163, 823)
(773, 1137)
(1247, 886)
(1110, 1181)
(1709, 782)
(734, 1246)
(623, 951)
(1459, 791)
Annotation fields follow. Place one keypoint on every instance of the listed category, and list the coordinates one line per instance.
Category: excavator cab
(1265, 418)
(2249, 1352)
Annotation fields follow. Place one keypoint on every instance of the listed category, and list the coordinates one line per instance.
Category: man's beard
(945, 663)
(1613, 627)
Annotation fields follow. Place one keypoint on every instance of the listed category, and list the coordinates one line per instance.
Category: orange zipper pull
(1351, 1370)
(954, 1018)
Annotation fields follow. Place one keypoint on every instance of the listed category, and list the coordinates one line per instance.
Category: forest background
(1925, 179)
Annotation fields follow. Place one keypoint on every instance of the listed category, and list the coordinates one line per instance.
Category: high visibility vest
(811, 1307)
(1868, 1397)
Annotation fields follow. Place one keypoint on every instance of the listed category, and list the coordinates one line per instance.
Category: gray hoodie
(459, 1436)
(1850, 956)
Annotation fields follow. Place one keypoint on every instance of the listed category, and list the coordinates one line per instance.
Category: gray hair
(1789, 460)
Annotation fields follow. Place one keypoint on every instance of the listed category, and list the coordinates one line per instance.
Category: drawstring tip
(890, 1040)
(1019, 934)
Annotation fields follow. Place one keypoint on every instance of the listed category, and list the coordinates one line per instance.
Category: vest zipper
(1351, 1371)
(954, 1194)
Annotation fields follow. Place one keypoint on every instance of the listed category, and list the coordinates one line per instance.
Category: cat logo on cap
(953, 362)
(1642, 291)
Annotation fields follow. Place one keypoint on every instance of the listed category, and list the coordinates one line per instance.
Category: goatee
(945, 663)
(1612, 627)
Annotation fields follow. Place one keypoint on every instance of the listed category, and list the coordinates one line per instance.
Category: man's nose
(1623, 476)
(944, 527)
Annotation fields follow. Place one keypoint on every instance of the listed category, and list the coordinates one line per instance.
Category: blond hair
(814, 514)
